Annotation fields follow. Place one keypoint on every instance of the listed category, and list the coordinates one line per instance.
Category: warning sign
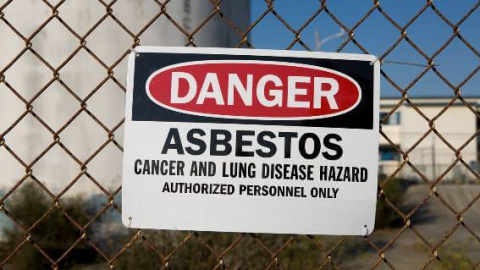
(241, 140)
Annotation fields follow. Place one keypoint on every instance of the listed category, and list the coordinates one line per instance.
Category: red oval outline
(191, 63)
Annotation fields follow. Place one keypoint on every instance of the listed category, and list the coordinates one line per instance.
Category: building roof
(430, 101)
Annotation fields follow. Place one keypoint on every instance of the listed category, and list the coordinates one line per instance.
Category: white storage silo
(85, 80)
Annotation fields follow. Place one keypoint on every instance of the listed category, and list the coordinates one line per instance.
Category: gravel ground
(432, 221)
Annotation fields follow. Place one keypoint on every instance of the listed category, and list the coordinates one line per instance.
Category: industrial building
(405, 128)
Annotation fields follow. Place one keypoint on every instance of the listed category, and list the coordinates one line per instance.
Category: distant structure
(320, 42)
(87, 79)
(431, 156)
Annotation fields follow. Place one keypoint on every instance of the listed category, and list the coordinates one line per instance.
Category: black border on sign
(146, 63)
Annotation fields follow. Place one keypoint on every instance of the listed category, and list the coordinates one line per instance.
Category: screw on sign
(275, 141)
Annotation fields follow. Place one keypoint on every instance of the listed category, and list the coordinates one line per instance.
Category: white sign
(238, 140)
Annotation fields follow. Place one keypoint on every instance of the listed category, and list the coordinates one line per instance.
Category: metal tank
(84, 80)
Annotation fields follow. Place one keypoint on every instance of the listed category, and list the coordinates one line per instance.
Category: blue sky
(377, 34)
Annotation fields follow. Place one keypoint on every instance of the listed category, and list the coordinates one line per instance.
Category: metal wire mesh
(274, 248)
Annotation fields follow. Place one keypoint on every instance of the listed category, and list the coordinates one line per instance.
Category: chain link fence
(416, 240)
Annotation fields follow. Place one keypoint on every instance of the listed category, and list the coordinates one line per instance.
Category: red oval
(159, 89)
